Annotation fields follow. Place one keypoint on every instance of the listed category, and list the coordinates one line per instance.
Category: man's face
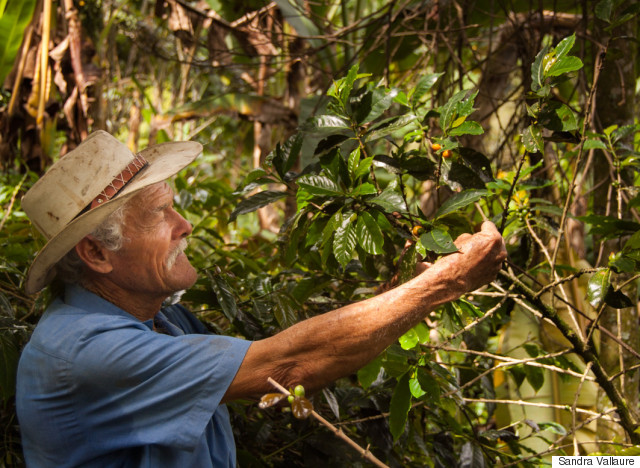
(151, 260)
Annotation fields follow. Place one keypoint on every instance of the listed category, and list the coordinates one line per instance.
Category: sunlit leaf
(537, 70)
(391, 200)
(13, 22)
(320, 185)
(414, 387)
(344, 241)
(565, 65)
(532, 139)
(301, 407)
(598, 286)
(449, 111)
(565, 46)
(270, 399)
(368, 233)
(594, 144)
(325, 123)
(439, 241)
(369, 373)
(467, 128)
(409, 340)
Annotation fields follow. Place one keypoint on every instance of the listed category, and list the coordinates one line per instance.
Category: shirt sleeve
(138, 387)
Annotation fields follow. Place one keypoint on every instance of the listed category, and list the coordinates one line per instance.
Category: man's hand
(478, 260)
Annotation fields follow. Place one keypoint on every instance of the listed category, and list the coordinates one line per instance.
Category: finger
(488, 226)
(462, 238)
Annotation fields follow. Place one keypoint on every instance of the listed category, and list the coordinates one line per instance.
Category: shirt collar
(77, 296)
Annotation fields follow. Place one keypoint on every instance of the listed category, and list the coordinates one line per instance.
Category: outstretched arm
(324, 348)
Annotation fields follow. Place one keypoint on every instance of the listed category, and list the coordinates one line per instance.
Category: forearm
(326, 347)
(319, 350)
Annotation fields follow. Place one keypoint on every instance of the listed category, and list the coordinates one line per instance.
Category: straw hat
(88, 184)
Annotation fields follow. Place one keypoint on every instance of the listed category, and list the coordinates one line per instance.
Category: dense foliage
(344, 143)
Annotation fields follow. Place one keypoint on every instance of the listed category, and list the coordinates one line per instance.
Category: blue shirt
(97, 387)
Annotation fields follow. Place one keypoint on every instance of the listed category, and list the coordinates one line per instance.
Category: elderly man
(110, 378)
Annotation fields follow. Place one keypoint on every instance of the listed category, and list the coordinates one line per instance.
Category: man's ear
(94, 255)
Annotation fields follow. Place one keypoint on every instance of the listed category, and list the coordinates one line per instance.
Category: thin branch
(338, 432)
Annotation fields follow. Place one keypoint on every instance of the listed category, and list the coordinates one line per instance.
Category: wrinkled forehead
(149, 198)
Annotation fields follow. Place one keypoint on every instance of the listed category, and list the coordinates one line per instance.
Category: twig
(338, 432)
(574, 407)
(537, 405)
(587, 353)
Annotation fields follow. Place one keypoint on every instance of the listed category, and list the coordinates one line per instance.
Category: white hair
(70, 269)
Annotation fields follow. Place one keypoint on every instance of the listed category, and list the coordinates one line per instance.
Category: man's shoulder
(180, 316)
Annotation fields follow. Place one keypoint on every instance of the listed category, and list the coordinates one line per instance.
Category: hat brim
(165, 160)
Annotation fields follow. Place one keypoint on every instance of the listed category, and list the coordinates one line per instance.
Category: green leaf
(449, 111)
(369, 373)
(609, 226)
(362, 190)
(467, 128)
(399, 407)
(320, 185)
(344, 242)
(353, 161)
(409, 340)
(535, 377)
(255, 202)
(565, 46)
(321, 124)
(598, 286)
(284, 309)
(363, 168)
(603, 10)
(565, 65)
(594, 144)
(414, 387)
(537, 70)
(391, 200)
(439, 241)
(423, 332)
(425, 84)
(460, 200)
(13, 22)
(284, 157)
(617, 299)
(381, 100)
(553, 427)
(429, 384)
(393, 125)
(225, 296)
(532, 139)
(369, 235)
